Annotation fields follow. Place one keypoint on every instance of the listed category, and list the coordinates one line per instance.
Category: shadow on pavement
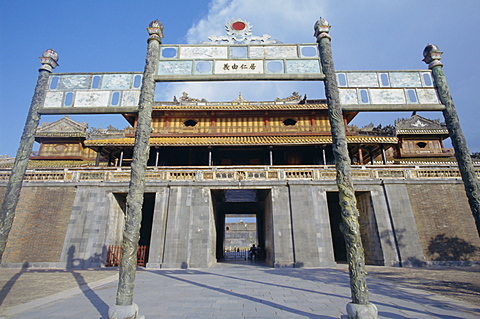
(8, 286)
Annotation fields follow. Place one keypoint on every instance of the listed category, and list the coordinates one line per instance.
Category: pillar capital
(155, 30)
(432, 56)
(322, 28)
(49, 60)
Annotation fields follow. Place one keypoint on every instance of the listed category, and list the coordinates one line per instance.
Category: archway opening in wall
(242, 220)
(240, 235)
(114, 249)
(368, 229)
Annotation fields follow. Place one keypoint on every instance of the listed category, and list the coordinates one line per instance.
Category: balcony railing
(235, 129)
(420, 152)
(238, 173)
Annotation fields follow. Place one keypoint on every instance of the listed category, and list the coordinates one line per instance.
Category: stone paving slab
(242, 291)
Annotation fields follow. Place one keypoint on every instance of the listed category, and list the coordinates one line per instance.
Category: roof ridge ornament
(240, 32)
(240, 99)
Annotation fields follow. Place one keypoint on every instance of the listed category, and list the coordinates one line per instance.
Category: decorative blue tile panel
(117, 81)
(366, 79)
(405, 79)
(178, 67)
(93, 90)
(74, 82)
(386, 87)
(302, 66)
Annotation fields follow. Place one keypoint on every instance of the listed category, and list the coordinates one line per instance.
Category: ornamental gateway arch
(188, 163)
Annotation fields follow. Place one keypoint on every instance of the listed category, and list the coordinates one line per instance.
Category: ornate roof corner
(295, 98)
(371, 129)
(109, 132)
(239, 31)
(186, 99)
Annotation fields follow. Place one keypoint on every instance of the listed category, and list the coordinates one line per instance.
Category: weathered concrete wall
(159, 227)
(282, 231)
(384, 225)
(92, 227)
(190, 231)
(311, 230)
(322, 220)
(40, 224)
(403, 221)
(369, 230)
(445, 223)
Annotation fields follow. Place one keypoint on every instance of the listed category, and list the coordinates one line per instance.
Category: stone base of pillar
(356, 311)
(124, 312)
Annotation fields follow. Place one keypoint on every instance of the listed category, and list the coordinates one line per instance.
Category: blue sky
(110, 36)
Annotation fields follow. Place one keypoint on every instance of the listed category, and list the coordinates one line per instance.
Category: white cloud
(289, 21)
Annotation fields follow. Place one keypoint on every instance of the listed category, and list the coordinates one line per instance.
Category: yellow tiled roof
(241, 140)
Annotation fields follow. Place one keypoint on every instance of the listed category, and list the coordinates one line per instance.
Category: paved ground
(242, 291)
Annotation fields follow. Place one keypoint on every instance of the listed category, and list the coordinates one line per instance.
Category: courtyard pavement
(227, 290)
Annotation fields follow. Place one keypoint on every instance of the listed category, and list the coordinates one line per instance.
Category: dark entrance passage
(368, 229)
(239, 204)
(334, 211)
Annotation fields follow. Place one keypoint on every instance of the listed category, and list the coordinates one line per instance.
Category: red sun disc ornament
(238, 26)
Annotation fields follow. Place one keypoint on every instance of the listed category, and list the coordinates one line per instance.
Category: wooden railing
(239, 173)
(419, 152)
(130, 132)
(114, 256)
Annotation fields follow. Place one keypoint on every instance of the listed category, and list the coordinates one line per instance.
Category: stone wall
(240, 234)
(369, 230)
(444, 220)
(402, 220)
(40, 224)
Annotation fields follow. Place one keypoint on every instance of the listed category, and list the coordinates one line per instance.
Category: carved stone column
(124, 307)
(49, 60)
(432, 56)
(360, 306)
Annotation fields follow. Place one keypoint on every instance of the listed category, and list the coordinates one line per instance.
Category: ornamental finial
(155, 29)
(49, 60)
(322, 28)
(432, 55)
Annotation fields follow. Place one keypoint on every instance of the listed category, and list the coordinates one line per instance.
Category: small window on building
(421, 144)
(190, 123)
(289, 122)
(228, 228)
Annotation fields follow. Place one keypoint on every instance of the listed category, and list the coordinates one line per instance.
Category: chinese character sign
(238, 67)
